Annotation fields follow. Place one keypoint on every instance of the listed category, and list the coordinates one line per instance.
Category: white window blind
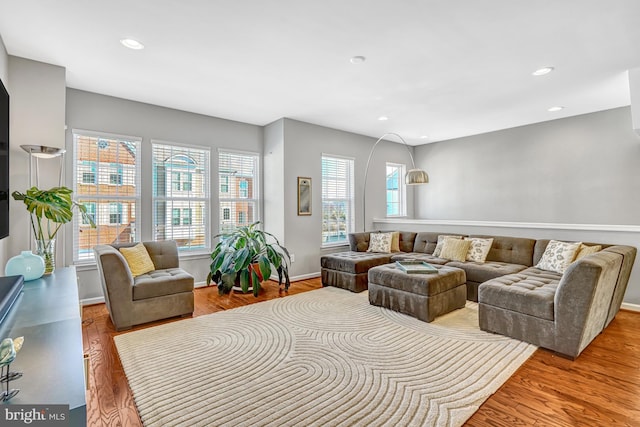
(338, 215)
(396, 190)
(181, 197)
(113, 202)
(239, 189)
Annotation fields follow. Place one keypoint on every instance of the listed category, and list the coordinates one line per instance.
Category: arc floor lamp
(414, 176)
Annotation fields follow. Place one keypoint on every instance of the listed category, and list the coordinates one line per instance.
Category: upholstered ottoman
(348, 270)
(424, 296)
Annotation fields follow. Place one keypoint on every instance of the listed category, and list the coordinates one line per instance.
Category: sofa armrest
(117, 284)
(582, 301)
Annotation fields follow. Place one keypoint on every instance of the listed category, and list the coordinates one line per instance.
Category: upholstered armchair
(165, 292)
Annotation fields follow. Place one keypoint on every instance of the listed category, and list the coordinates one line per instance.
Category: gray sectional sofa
(561, 312)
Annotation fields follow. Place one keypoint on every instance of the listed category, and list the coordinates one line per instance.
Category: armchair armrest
(117, 284)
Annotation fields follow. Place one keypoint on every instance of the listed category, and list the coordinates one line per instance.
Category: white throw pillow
(558, 255)
(438, 249)
(479, 249)
(380, 242)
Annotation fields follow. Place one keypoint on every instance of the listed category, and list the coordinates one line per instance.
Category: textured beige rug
(321, 358)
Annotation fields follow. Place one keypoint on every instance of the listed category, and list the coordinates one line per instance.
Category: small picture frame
(304, 196)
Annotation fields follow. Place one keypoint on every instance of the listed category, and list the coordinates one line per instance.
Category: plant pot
(238, 288)
(47, 250)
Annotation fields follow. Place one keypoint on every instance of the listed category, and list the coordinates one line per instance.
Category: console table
(47, 314)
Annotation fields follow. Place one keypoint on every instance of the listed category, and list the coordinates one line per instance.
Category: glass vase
(47, 250)
(27, 264)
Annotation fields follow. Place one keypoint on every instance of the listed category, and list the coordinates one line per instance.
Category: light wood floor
(600, 388)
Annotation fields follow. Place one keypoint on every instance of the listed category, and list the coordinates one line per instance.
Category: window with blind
(338, 215)
(181, 197)
(238, 192)
(106, 180)
(396, 190)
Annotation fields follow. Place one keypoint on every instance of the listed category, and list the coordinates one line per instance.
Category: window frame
(349, 201)
(101, 198)
(401, 190)
(188, 197)
(223, 196)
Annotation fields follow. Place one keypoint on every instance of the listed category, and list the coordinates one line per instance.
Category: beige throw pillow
(479, 248)
(380, 242)
(455, 249)
(438, 249)
(138, 259)
(558, 255)
(587, 250)
(395, 241)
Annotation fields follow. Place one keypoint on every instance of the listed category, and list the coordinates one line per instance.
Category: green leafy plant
(246, 256)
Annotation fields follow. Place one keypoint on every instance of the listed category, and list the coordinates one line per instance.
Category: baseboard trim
(630, 307)
(507, 224)
(304, 276)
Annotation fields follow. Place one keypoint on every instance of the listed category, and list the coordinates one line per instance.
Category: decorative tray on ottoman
(416, 267)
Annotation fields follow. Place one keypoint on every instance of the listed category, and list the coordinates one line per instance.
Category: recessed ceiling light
(556, 108)
(357, 59)
(542, 71)
(383, 118)
(132, 44)
(424, 137)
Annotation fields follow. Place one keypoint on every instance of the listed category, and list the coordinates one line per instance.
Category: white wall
(578, 170)
(37, 114)
(90, 111)
(4, 76)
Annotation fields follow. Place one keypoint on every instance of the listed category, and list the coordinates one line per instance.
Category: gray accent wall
(100, 113)
(579, 170)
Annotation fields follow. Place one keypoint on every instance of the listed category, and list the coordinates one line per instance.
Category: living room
(499, 162)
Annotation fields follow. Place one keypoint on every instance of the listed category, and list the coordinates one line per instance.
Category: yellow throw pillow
(587, 250)
(395, 241)
(455, 249)
(138, 259)
(440, 242)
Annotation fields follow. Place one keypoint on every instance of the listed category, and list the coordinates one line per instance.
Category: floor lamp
(414, 176)
(42, 152)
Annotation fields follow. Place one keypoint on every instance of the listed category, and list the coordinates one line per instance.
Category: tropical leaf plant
(50, 209)
(245, 257)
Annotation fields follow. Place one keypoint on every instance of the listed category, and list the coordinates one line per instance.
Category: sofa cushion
(138, 259)
(531, 292)
(587, 250)
(441, 241)
(353, 262)
(558, 255)
(455, 249)
(418, 256)
(162, 282)
(380, 242)
(395, 241)
(512, 250)
(479, 248)
(481, 272)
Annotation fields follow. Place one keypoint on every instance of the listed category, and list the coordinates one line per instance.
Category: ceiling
(442, 69)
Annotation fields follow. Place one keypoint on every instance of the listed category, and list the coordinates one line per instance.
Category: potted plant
(49, 209)
(245, 257)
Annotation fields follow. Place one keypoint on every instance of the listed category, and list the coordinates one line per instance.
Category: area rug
(321, 358)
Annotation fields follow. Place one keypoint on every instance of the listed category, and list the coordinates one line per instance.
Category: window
(181, 195)
(337, 200)
(396, 190)
(98, 157)
(115, 213)
(238, 175)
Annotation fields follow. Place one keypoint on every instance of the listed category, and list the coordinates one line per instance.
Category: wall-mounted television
(4, 161)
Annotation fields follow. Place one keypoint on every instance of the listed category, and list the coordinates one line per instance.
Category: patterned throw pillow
(558, 255)
(455, 249)
(479, 248)
(438, 249)
(587, 250)
(138, 259)
(395, 241)
(380, 242)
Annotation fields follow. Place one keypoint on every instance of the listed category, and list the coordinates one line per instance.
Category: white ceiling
(439, 68)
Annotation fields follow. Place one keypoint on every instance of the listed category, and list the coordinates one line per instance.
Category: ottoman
(424, 296)
(348, 270)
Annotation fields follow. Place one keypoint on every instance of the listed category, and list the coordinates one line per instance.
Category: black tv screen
(4, 161)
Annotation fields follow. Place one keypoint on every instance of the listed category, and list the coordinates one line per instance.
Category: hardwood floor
(600, 388)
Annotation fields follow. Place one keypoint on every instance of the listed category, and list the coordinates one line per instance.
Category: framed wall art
(304, 196)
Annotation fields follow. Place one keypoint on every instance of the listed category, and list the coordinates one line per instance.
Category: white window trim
(351, 222)
(257, 194)
(402, 190)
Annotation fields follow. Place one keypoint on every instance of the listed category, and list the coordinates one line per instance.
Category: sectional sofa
(561, 312)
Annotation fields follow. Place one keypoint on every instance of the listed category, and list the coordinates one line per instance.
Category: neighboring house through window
(239, 184)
